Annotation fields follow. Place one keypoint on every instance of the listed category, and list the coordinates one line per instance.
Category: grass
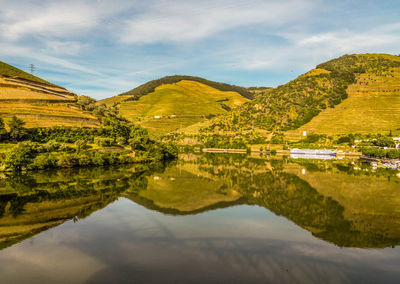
(35, 105)
(372, 106)
(357, 114)
(8, 70)
(179, 105)
(113, 100)
(47, 115)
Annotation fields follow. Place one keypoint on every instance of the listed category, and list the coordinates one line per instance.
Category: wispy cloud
(105, 47)
(166, 21)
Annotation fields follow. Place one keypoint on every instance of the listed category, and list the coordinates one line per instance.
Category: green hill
(150, 86)
(11, 71)
(38, 102)
(175, 102)
(353, 93)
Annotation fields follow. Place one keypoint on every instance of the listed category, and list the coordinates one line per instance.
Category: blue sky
(102, 48)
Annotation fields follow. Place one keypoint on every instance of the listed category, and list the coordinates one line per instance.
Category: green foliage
(103, 142)
(294, 104)
(17, 130)
(44, 161)
(86, 103)
(381, 153)
(80, 145)
(384, 141)
(349, 139)
(225, 142)
(149, 87)
(3, 131)
(21, 155)
(278, 138)
(312, 138)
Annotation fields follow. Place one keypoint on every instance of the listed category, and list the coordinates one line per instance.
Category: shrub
(66, 161)
(97, 159)
(84, 160)
(44, 161)
(384, 141)
(103, 142)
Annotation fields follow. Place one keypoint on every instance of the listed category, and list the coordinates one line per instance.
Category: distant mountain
(38, 102)
(353, 93)
(173, 102)
(150, 86)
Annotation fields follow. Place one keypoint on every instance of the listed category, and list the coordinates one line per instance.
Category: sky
(102, 48)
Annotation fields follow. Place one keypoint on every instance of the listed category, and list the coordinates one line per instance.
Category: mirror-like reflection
(203, 218)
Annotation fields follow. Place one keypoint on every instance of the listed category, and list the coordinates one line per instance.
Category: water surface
(203, 219)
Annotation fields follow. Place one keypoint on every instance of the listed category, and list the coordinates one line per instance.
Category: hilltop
(38, 102)
(353, 93)
(173, 102)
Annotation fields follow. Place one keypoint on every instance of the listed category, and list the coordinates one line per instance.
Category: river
(215, 218)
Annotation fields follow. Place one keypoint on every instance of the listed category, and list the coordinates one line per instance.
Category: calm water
(203, 219)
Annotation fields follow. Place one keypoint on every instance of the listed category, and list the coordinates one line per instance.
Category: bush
(381, 153)
(66, 161)
(384, 141)
(84, 160)
(19, 156)
(120, 141)
(80, 145)
(103, 142)
(44, 161)
(346, 139)
(98, 159)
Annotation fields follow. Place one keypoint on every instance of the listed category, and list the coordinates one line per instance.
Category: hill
(150, 86)
(38, 102)
(372, 106)
(169, 105)
(353, 93)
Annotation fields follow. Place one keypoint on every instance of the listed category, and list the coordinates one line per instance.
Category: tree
(3, 131)
(85, 101)
(17, 130)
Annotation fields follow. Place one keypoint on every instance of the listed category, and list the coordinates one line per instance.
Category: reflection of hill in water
(347, 219)
(337, 206)
(38, 201)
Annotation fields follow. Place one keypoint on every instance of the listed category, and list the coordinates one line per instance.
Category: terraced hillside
(353, 93)
(38, 102)
(372, 106)
(177, 105)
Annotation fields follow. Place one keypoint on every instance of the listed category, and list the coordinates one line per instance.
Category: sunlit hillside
(38, 102)
(372, 106)
(353, 93)
(174, 106)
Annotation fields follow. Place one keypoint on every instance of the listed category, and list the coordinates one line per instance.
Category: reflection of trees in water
(79, 192)
(288, 195)
(34, 202)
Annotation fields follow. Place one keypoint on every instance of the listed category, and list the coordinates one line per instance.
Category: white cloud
(27, 52)
(166, 21)
(54, 18)
(111, 46)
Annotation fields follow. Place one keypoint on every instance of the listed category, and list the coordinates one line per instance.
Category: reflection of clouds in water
(149, 246)
(46, 261)
(126, 242)
(219, 259)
